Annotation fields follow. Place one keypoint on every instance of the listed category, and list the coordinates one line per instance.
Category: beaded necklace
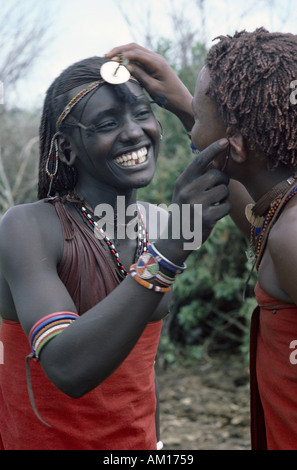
(259, 233)
(143, 240)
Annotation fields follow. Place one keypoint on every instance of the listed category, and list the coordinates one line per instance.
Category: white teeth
(134, 158)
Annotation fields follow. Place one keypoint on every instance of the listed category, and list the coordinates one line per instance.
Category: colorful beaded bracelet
(163, 279)
(47, 328)
(174, 268)
(146, 284)
(147, 267)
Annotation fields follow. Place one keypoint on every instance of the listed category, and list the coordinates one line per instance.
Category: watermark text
(293, 95)
(164, 222)
(1, 353)
(293, 354)
(1, 92)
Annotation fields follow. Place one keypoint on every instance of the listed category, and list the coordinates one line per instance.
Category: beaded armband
(47, 328)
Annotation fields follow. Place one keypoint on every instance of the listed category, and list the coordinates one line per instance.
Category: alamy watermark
(1, 92)
(293, 94)
(1, 353)
(293, 354)
(185, 221)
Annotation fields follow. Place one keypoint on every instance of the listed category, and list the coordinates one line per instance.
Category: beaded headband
(112, 72)
(75, 100)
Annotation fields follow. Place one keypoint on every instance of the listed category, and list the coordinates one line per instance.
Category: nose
(131, 132)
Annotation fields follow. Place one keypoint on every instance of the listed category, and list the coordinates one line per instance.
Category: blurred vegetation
(208, 315)
(19, 150)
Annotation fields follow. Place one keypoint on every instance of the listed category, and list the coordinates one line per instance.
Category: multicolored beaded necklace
(143, 240)
(259, 233)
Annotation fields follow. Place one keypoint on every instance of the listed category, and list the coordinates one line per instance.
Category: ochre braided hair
(250, 76)
(57, 97)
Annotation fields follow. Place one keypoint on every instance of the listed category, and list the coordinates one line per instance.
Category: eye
(104, 126)
(143, 113)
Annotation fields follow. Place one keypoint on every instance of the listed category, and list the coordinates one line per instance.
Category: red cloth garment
(117, 415)
(273, 374)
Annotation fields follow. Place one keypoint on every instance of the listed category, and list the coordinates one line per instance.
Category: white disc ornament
(114, 73)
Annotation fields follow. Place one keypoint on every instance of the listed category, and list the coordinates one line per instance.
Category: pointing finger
(199, 165)
(210, 153)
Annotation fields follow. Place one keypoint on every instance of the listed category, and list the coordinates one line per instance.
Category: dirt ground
(205, 406)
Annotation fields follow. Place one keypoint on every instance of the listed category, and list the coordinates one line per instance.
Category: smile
(133, 158)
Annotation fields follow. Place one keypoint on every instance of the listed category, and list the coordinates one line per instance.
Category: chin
(142, 183)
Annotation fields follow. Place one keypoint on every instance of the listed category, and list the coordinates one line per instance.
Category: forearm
(180, 104)
(90, 349)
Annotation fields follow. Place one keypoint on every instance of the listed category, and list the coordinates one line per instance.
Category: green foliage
(19, 156)
(208, 313)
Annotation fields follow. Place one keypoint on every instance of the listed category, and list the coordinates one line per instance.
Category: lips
(132, 158)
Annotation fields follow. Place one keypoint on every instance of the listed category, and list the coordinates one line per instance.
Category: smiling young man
(243, 94)
(85, 310)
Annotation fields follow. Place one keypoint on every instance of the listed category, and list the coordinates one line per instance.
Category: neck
(107, 198)
(262, 182)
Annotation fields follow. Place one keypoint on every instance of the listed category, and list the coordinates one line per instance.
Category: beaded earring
(52, 173)
(161, 130)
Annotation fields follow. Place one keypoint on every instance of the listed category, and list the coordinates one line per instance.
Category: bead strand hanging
(142, 237)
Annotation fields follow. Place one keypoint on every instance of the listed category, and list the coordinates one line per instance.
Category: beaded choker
(255, 213)
(259, 233)
(100, 234)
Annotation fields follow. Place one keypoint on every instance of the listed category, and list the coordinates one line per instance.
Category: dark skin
(31, 243)
(249, 169)
(249, 177)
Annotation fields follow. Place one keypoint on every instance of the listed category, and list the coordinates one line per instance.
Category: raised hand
(199, 185)
(158, 78)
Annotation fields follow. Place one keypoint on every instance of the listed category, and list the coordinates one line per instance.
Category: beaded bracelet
(146, 284)
(164, 261)
(163, 279)
(47, 328)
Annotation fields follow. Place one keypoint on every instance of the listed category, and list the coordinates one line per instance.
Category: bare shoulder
(283, 235)
(29, 226)
(283, 254)
(29, 218)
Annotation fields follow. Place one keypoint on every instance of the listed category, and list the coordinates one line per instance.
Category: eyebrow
(114, 110)
(105, 112)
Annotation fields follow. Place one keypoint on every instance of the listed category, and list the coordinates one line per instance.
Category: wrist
(166, 265)
(172, 251)
(154, 271)
(183, 108)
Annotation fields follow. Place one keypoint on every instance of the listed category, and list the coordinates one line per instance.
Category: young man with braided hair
(243, 93)
(85, 307)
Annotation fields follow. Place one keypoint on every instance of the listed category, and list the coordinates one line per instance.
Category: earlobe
(66, 152)
(238, 151)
